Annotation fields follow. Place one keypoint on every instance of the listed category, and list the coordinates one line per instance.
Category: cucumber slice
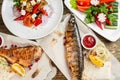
(110, 27)
(114, 3)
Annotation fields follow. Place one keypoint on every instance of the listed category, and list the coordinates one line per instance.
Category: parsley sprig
(17, 3)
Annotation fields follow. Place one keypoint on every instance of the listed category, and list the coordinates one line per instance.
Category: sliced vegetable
(82, 8)
(19, 18)
(37, 21)
(22, 17)
(110, 27)
(83, 3)
(99, 24)
(73, 4)
(106, 1)
(113, 19)
(115, 6)
(28, 21)
(35, 8)
(44, 12)
(108, 22)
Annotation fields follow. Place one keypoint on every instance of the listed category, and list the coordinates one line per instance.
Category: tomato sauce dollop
(89, 41)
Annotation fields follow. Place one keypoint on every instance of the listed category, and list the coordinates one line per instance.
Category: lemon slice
(95, 60)
(18, 69)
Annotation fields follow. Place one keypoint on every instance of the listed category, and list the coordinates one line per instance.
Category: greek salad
(102, 12)
(30, 12)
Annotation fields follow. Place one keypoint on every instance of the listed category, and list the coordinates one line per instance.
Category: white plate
(20, 30)
(111, 35)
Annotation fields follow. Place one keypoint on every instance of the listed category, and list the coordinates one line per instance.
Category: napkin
(43, 65)
(54, 48)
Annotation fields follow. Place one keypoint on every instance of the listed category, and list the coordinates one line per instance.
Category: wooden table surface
(114, 47)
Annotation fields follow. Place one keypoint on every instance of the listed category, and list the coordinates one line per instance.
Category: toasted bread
(23, 56)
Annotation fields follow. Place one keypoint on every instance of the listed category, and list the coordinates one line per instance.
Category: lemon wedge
(18, 69)
(96, 60)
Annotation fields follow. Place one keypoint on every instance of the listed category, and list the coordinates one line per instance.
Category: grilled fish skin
(73, 50)
(23, 56)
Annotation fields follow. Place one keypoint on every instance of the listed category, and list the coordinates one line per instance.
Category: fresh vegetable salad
(102, 12)
(30, 12)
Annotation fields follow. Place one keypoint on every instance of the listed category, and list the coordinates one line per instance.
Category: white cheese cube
(24, 3)
(33, 2)
(33, 16)
(23, 12)
(38, 0)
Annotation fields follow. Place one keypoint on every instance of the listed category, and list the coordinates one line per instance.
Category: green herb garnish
(17, 3)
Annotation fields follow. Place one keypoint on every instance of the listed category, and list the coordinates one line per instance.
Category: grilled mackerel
(73, 49)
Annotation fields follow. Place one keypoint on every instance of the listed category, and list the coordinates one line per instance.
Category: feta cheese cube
(24, 3)
(23, 12)
(38, 0)
(33, 2)
(33, 16)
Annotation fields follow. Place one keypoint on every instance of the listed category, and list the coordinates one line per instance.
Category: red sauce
(0, 40)
(89, 41)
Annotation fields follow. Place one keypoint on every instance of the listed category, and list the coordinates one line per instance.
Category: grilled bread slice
(23, 56)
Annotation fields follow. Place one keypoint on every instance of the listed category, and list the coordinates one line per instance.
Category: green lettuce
(73, 4)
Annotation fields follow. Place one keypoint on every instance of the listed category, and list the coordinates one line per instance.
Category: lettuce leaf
(73, 4)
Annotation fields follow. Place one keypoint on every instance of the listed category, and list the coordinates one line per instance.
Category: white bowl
(95, 38)
(2, 40)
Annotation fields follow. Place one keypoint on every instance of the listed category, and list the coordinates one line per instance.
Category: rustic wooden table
(114, 47)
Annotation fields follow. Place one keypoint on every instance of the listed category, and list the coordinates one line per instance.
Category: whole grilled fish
(73, 48)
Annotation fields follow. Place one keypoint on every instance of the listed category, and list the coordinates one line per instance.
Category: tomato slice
(83, 3)
(82, 8)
